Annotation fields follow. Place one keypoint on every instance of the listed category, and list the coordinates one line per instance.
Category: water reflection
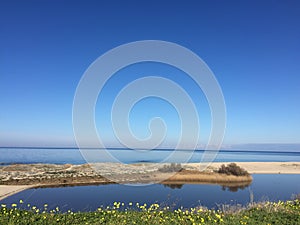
(174, 186)
(234, 188)
(231, 188)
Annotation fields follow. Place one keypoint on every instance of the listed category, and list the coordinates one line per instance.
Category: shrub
(173, 167)
(233, 169)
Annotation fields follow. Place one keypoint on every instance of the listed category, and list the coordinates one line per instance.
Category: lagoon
(272, 187)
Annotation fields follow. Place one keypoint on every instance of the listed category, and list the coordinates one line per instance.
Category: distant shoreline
(170, 149)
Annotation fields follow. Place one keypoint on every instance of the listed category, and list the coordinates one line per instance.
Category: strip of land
(262, 167)
(18, 177)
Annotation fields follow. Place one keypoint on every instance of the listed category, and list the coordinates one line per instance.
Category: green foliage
(233, 169)
(261, 213)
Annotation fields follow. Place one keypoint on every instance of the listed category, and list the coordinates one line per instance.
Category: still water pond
(86, 198)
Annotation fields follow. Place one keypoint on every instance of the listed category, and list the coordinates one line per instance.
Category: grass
(186, 177)
(266, 213)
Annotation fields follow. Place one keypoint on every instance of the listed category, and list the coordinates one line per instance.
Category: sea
(74, 156)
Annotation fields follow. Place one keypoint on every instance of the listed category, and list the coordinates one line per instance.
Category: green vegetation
(233, 169)
(260, 213)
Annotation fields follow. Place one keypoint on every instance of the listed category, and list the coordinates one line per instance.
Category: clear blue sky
(252, 47)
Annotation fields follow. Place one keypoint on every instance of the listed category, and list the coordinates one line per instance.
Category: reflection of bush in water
(224, 187)
(234, 188)
(174, 186)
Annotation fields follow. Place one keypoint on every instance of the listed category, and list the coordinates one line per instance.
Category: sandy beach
(8, 190)
(56, 175)
(265, 167)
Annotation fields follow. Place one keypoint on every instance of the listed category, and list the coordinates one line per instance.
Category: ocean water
(73, 156)
(272, 187)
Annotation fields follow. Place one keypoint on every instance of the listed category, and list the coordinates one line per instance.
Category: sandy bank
(8, 190)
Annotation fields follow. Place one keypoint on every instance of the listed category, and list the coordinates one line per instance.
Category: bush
(233, 169)
(173, 167)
